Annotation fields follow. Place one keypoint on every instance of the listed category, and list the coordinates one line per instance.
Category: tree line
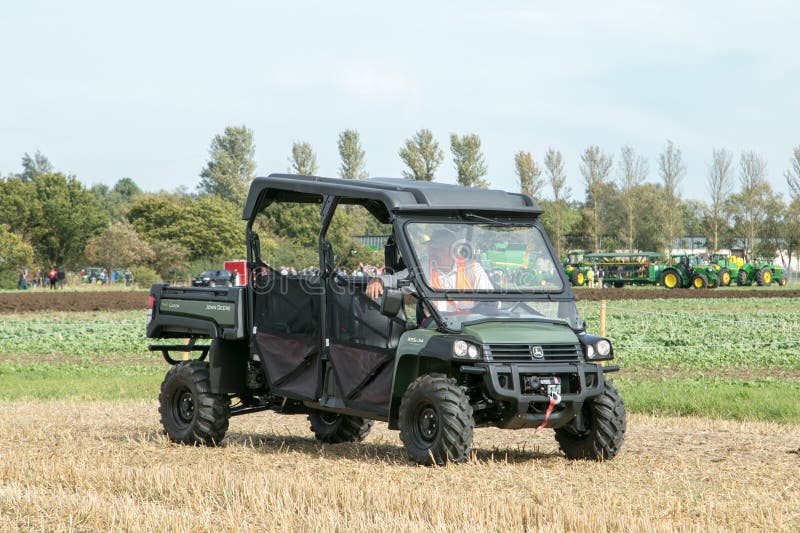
(48, 218)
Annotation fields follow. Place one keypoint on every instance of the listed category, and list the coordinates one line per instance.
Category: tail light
(150, 302)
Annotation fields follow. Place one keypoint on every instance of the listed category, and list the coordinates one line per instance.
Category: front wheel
(334, 428)
(725, 277)
(700, 281)
(576, 278)
(603, 429)
(190, 413)
(782, 282)
(741, 278)
(436, 423)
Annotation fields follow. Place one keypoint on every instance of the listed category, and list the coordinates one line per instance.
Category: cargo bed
(196, 312)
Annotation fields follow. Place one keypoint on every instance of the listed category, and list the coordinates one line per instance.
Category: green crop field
(722, 358)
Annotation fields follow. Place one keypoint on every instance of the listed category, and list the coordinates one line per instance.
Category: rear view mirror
(392, 302)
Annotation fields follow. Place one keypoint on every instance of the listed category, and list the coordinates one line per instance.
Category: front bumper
(504, 382)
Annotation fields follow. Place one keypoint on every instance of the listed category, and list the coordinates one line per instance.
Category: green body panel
(223, 314)
(521, 333)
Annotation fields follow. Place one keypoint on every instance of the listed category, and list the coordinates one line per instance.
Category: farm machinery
(576, 270)
(690, 271)
(620, 269)
(727, 268)
(760, 272)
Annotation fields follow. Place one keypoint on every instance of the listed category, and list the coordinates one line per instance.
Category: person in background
(22, 282)
(52, 277)
(61, 275)
(128, 277)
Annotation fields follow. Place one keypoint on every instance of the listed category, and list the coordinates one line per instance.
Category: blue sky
(109, 90)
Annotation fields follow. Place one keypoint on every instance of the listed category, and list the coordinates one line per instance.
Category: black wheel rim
(427, 424)
(328, 419)
(183, 407)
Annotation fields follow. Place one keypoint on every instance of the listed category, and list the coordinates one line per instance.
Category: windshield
(495, 258)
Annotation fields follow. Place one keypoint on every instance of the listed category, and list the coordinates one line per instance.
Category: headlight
(460, 348)
(603, 348)
(464, 349)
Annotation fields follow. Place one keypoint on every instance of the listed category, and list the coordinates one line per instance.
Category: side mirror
(392, 302)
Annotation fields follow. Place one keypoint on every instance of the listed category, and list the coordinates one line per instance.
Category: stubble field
(713, 440)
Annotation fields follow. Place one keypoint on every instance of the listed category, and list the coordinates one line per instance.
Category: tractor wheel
(741, 278)
(436, 421)
(699, 281)
(713, 283)
(190, 413)
(605, 425)
(334, 428)
(782, 282)
(724, 278)
(763, 277)
(619, 284)
(670, 279)
(576, 277)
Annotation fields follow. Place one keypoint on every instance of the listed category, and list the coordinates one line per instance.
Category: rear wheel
(670, 279)
(699, 281)
(724, 277)
(603, 429)
(436, 423)
(190, 413)
(335, 428)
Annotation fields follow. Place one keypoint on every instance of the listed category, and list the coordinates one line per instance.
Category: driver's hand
(374, 288)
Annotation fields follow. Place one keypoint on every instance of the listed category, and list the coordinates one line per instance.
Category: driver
(445, 270)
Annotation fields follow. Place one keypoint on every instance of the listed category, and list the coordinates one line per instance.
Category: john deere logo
(537, 352)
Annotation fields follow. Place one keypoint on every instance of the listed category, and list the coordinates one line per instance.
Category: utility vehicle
(434, 362)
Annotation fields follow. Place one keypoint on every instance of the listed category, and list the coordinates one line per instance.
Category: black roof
(382, 194)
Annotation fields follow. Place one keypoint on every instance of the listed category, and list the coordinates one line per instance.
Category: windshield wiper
(473, 216)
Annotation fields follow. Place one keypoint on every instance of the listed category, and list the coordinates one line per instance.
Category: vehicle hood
(521, 333)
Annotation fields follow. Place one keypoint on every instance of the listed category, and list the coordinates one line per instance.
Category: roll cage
(398, 201)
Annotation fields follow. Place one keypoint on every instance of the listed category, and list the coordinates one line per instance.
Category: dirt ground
(85, 466)
(32, 301)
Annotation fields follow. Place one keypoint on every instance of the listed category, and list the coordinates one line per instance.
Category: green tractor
(576, 270)
(729, 267)
(514, 262)
(762, 273)
(690, 271)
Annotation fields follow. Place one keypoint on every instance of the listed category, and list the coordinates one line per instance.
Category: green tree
(33, 166)
(20, 208)
(117, 200)
(469, 161)
(231, 166)
(650, 207)
(70, 215)
(170, 260)
(208, 226)
(749, 206)
(631, 173)
(118, 246)
(529, 174)
(422, 155)
(554, 165)
(14, 254)
(303, 160)
(352, 155)
(719, 185)
(672, 170)
(595, 167)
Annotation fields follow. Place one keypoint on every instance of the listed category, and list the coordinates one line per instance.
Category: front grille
(551, 353)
